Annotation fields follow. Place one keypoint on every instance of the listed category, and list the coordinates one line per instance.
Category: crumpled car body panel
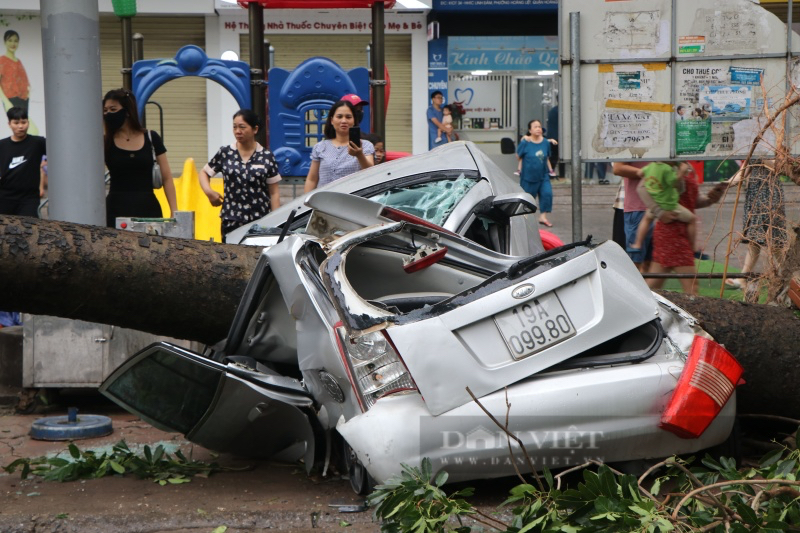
(373, 323)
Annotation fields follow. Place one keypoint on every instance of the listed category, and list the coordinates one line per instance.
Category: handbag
(157, 181)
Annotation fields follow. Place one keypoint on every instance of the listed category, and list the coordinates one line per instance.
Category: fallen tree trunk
(175, 287)
(190, 289)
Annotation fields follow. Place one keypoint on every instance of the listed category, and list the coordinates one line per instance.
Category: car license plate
(535, 325)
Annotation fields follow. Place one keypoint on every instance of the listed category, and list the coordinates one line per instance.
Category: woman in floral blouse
(250, 176)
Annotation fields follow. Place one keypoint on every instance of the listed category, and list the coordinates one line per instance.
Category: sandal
(546, 223)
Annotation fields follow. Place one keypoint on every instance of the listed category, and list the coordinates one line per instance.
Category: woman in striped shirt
(336, 157)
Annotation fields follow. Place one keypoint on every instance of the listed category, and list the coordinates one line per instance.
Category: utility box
(62, 353)
(181, 226)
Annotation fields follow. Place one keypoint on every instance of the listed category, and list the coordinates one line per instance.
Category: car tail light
(374, 365)
(706, 384)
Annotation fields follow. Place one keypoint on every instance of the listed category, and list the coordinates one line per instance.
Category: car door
(227, 407)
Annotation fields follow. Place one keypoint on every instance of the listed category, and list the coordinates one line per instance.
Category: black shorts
(24, 207)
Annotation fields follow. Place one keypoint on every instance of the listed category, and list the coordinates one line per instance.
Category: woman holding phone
(342, 152)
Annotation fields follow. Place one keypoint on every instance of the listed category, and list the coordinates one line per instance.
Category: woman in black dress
(129, 159)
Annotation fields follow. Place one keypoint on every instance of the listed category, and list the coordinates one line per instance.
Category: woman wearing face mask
(249, 174)
(336, 157)
(129, 159)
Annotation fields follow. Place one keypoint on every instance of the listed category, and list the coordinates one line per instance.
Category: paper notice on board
(691, 44)
(632, 30)
(629, 129)
(692, 136)
(728, 102)
(721, 138)
(691, 78)
(745, 132)
(631, 85)
(727, 30)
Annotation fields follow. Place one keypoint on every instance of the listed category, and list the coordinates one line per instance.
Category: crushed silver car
(455, 186)
(374, 328)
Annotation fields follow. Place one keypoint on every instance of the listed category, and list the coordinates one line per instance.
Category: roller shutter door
(183, 100)
(350, 51)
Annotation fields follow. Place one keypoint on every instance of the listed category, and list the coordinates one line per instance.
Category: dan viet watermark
(471, 442)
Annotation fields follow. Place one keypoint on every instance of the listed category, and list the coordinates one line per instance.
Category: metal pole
(269, 57)
(127, 53)
(138, 47)
(378, 81)
(575, 124)
(72, 90)
(259, 100)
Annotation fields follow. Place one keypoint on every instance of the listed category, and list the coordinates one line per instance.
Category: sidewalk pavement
(264, 496)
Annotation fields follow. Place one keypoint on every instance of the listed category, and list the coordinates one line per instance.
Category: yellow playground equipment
(192, 198)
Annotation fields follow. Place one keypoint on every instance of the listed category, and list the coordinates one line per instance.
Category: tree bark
(190, 289)
(175, 287)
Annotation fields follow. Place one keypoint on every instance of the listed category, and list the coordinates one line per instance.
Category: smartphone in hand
(355, 135)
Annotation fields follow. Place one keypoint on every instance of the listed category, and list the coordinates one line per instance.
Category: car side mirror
(507, 146)
(515, 204)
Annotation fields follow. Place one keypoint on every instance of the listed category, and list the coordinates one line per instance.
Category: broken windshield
(432, 201)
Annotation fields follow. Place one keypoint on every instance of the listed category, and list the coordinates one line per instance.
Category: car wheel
(360, 480)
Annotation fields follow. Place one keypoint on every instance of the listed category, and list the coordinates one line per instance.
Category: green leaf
(654, 490)
(549, 477)
(785, 467)
(220, 529)
(748, 515)
(116, 467)
(771, 457)
(179, 480)
(344, 523)
(441, 478)
(74, 451)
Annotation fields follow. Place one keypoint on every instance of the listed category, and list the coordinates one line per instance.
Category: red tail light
(705, 386)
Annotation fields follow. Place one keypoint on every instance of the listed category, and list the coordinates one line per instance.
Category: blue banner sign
(503, 53)
(495, 5)
(437, 66)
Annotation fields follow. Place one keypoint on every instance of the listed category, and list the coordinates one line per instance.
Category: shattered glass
(432, 201)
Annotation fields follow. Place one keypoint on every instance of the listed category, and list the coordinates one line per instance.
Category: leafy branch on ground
(712, 496)
(157, 465)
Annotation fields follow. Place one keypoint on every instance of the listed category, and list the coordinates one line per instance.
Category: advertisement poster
(692, 136)
(21, 69)
(746, 76)
(729, 103)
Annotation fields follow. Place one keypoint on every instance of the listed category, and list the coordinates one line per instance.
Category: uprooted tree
(190, 289)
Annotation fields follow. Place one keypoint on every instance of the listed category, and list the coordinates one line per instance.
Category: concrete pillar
(73, 110)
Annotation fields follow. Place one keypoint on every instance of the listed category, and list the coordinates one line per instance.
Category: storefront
(196, 113)
(342, 35)
(499, 60)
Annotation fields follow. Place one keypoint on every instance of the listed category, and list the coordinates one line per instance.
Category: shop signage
(341, 21)
(503, 53)
(480, 101)
(495, 5)
(437, 66)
